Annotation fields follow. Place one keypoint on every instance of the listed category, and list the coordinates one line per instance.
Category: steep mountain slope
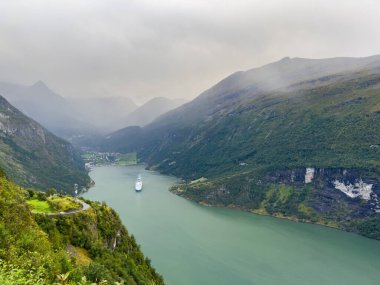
(238, 90)
(151, 110)
(312, 126)
(141, 116)
(32, 156)
(296, 73)
(107, 114)
(46, 107)
(89, 247)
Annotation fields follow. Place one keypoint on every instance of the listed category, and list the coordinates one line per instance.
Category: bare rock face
(309, 175)
(348, 193)
(358, 189)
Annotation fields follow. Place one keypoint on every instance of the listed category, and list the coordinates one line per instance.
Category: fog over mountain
(73, 117)
(48, 108)
(150, 111)
(106, 114)
(176, 49)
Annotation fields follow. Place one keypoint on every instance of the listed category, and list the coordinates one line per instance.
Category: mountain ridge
(34, 157)
(46, 107)
(151, 110)
(242, 139)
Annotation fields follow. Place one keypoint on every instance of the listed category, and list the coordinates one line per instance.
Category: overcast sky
(143, 49)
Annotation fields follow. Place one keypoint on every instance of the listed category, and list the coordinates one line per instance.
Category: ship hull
(138, 186)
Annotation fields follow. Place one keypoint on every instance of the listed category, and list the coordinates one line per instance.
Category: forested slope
(297, 138)
(34, 157)
(84, 248)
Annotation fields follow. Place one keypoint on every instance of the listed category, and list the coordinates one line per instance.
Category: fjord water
(193, 244)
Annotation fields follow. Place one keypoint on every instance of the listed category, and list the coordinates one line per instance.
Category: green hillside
(253, 136)
(88, 247)
(325, 127)
(34, 157)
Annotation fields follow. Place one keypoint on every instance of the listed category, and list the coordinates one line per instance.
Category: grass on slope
(53, 204)
(39, 206)
(63, 204)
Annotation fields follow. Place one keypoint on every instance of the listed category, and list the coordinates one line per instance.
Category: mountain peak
(39, 84)
(40, 91)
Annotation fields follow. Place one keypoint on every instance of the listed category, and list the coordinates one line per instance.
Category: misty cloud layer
(144, 49)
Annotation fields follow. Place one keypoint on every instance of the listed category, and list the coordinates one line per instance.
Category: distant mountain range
(110, 114)
(298, 138)
(46, 107)
(33, 157)
(106, 113)
(151, 110)
(73, 118)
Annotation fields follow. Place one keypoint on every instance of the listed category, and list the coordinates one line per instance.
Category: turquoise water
(193, 244)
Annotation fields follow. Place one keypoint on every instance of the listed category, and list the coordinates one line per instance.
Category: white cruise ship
(138, 184)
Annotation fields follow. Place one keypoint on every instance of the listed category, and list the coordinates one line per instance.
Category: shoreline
(239, 208)
(288, 218)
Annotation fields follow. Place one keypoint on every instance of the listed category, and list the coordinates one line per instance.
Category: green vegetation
(48, 203)
(42, 203)
(369, 227)
(282, 131)
(39, 206)
(80, 255)
(277, 134)
(312, 203)
(324, 127)
(126, 159)
(63, 204)
(253, 148)
(100, 158)
(34, 157)
(88, 247)
(11, 274)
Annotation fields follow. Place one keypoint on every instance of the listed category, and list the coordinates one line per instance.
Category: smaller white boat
(138, 184)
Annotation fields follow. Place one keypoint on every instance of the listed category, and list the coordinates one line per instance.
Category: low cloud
(143, 49)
